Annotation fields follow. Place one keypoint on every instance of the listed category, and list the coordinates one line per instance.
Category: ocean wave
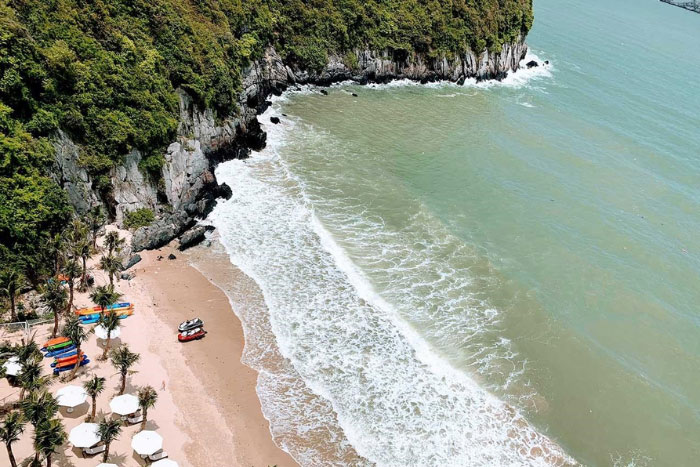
(397, 401)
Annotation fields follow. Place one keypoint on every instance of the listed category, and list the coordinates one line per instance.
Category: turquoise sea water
(494, 274)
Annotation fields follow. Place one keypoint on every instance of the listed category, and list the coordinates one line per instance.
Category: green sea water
(541, 236)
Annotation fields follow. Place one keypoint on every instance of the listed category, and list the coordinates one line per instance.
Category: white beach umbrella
(101, 332)
(84, 435)
(124, 405)
(107, 465)
(165, 463)
(146, 442)
(71, 396)
(12, 366)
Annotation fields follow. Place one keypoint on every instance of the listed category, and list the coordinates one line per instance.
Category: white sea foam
(397, 400)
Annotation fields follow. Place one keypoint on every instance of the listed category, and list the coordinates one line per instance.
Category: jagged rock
(127, 276)
(461, 80)
(324, 92)
(532, 64)
(354, 95)
(194, 236)
(172, 256)
(132, 261)
(275, 120)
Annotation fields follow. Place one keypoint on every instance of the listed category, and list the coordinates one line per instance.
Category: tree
(96, 219)
(39, 406)
(110, 321)
(147, 398)
(74, 331)
(77, 235)
(54, 297)
(112, 265)
(94, 386)
(49, 436)
(104, 296)
(108, 430)
(11, 283)
(30, 378)
(56, 248)
(72, 271)
(123, 359)
(11, 429)
(83, 249)
(114, 242)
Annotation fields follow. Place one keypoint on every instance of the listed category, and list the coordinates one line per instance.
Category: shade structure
(101, 332)
(124, 405)
(71, 396)
(84, 435)
(107, 465)
(12, 366)
(146, 442)
(165, 463)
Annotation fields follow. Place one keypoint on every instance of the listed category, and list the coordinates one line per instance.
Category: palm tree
(74, 331)
(56, 252)
(109, 431)
(39, 407)
(110, 321)
(28, 351)
(96, 219)
(54, 297)
(94, 387)
(105, 296)
(113, 242)
(147, 398)
(72, 270)
(11, 282)
(83, 249)
(30, 378)
(123, 359)
(77, 235)
(112, 265)
(11, 429)
(49, 436)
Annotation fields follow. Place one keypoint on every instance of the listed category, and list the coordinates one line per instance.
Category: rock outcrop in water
(188, 188)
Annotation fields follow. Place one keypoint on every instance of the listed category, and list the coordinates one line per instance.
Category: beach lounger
(94, 450)
(136, 419)
(158, 455)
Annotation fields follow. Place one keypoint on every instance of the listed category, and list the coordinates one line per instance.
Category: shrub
(139, 218)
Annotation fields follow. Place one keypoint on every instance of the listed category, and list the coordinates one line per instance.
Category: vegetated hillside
(105, 73)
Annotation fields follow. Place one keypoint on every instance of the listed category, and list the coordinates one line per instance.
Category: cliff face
(188, 189)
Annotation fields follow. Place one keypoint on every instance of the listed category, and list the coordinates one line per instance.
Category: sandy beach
(207, 410)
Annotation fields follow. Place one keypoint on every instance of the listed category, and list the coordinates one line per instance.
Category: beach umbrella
(84, 435)
(71, 396)
(101, 332)
(146, 442)
(12, 366)
(124, 405)
(107, 465)
(165, 463)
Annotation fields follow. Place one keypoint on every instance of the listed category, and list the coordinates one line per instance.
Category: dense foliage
(105, 72)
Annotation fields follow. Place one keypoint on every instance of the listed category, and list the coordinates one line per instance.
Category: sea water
(488, 274)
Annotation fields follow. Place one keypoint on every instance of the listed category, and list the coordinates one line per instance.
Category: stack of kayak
(64, 353)
(92, 315)
(190, 330)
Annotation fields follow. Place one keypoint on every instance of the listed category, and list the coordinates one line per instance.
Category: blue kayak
(59, 352)
(56, 371)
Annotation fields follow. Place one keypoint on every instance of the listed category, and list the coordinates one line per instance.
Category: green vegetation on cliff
(105, 73)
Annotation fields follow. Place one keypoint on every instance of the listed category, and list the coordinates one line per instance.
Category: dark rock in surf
(354, 95)
(461, 80)
(194, 236)
(532, 64)
(275, 120)
(324, 92)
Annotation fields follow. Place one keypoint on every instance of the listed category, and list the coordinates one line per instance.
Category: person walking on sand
(162, 386)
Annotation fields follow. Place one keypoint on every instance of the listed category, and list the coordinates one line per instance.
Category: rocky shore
(188, 190)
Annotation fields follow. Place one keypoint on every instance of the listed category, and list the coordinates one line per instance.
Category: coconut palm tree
(110, 321)
(11, 283)
(83, 249)
(11, 429)
(114, 242)
(147, 398)
(123, 359)
(72, 271)
(30, 378)
(56, 251)
(96, 219)
(54, 297)
(74, 331)
(39, 406)
(105, 296)
(28, 351)
(49, 436)
(94, 386)
(112, 265)
(108, 430)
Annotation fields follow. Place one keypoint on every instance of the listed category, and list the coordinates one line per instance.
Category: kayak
(67, 360)
(58, 346)
(56, 353)
(97, 309)
(56, 371)
(121, 314)
(55, 341)
(191, 335)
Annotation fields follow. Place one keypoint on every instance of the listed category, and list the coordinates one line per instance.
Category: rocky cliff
(188, 189)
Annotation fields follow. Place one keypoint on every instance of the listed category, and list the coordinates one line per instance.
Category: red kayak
(191, 335)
